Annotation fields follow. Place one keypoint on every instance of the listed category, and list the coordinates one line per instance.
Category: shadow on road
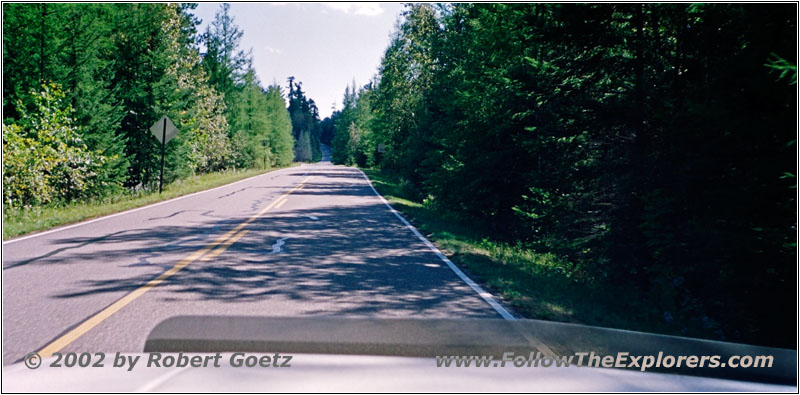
(344, 254)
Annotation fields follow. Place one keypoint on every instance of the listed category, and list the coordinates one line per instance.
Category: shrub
(45, 160)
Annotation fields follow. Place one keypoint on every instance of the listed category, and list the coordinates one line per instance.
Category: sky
(324, 45)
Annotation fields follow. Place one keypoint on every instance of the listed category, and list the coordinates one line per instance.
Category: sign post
(164, 130)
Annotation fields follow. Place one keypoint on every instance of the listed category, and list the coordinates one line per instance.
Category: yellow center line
(224, 246)
(281, 203)
(223, 242)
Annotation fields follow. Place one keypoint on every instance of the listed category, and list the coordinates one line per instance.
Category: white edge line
(486, 296)
(138, 208)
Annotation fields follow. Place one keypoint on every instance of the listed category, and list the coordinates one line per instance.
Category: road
(308, 240)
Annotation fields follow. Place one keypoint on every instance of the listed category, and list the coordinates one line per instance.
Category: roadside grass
(21, 221)
(534, 284)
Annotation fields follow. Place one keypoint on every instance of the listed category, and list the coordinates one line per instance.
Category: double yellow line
(221, 244)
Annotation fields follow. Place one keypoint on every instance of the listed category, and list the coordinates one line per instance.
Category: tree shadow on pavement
(341, 257)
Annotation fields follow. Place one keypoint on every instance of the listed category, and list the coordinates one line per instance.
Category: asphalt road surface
(308, 240)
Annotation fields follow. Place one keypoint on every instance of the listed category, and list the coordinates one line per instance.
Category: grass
(535, 285)
(21, 221)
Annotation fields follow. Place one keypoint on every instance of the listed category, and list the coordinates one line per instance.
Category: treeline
(306, 125)
(83, 83)
(648, 146)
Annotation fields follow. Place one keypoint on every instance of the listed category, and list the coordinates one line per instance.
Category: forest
(83, 83)
(648, 148)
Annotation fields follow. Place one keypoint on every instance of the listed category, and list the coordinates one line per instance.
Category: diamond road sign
(159, 132)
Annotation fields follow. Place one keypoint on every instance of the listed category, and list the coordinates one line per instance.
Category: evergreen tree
(280, 127)
(250, 125)
(305, 123)
(223, 61)
(645, 145)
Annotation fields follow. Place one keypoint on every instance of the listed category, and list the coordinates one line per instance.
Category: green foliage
(302, 147)
(261, 128)
(223, 61)
(71, 52)
(206, 124)
(537, 285)
(783, 67)
(641, 144)
(280, 129)
(249, 125)
(44, 158)
(306, 126)
(353, 142)
(118, 69)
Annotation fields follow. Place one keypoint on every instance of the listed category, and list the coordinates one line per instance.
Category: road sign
(381, 148)
(164, 130)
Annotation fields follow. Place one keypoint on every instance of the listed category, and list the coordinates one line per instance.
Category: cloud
(276, 51)
(367, 9)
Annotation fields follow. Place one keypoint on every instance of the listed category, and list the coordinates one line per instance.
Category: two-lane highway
(307, 240)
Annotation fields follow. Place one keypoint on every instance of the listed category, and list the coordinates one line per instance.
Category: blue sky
(324, 45)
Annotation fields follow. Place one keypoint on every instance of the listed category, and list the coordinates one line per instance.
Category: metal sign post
(164, 134)
(163, 145)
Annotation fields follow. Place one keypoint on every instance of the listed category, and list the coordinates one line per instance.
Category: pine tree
(224, 62)
(280, 127)
(305, 123)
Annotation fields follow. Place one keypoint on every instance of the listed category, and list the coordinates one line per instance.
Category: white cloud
(276, 51)
(367, 9)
